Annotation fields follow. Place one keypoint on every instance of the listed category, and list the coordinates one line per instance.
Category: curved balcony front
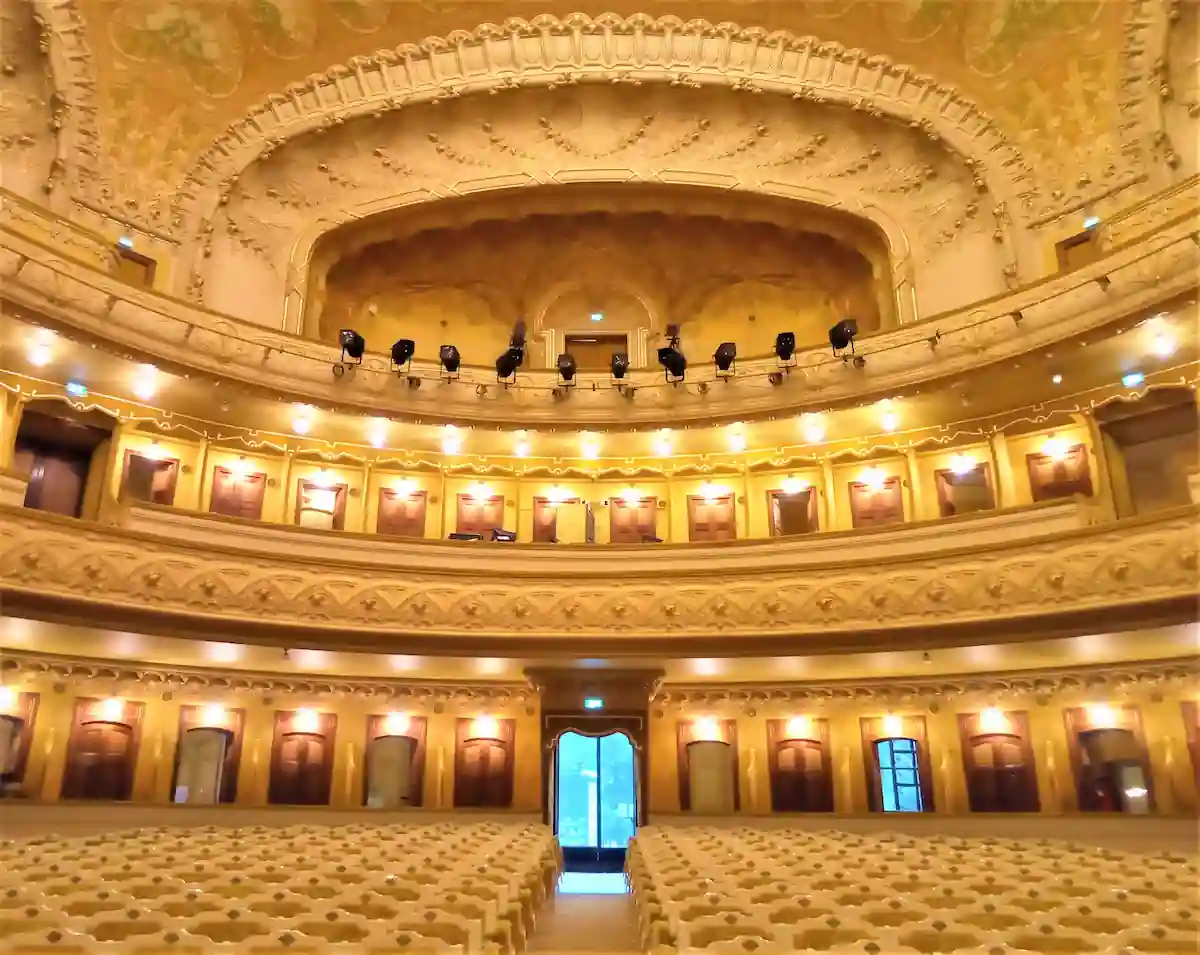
(1051, 569)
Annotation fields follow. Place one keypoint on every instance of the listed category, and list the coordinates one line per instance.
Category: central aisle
(590, 913)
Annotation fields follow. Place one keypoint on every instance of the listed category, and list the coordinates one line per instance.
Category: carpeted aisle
(577, 922)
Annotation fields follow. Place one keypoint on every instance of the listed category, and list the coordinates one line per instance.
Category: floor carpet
(577, 922)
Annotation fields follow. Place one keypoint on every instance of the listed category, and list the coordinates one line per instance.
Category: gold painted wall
(1161, 713)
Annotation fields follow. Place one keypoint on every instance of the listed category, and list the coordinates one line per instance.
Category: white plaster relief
(27, 105)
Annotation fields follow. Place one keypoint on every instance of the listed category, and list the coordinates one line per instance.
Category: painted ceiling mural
(172, 76)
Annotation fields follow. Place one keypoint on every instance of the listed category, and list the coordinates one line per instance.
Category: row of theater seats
(353, 890)
(770, 892)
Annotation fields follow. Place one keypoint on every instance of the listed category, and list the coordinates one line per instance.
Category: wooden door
(302, 761)
(401, 515)
(964, 493)
(417, 731)
(876, 507)
(477, 516)
(793, 513)
(632, 522)
(321, 507)
(686, 734)
(100, 763)
(1191, 723)
(56, 480)
(150, 480)
(233, 722)
(22, 718)
(483, 768)
(999, 778)
(711, 519)
(1051, 478)
(545, 519)
(238, 495)
(800, 771)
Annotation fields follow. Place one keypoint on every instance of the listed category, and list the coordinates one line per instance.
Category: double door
(595, 786)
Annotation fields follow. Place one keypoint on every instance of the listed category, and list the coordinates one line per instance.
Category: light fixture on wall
(813, 428)
(302, 418)
(791, 486)
(735, 438)
(993, 720)
(873, 479)
(452, 441)
(396, 724)
(213, 715)
(479, 491)
(724, 359)
(377, 432)
(145, 382)
(798, 727)
(112, 710)
(323, 479)
(305, 720)
(597, 316)
(893, 725)
(404, 487)
(239, 468)
(1102, 716)
(713, 492)
(8, 699)
(558, 494)
(484, 728)
(706, 729)
(522, 447)
(664, 446)
(589, 447)
(888, 419)
(40, 349)
(632, 497)
(961, 464)
(1055, 448)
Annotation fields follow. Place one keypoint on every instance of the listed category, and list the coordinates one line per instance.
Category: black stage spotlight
(566, 369)
(353, 344)
(724, 357)
(785, 346)
(403, 351)
(508, 363)
(450, 359)
(620, 365)
(500, 534)
(842, 335)
(670, 357)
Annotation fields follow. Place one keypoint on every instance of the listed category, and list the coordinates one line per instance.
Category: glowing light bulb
(992, 720)
(706, 729)
(112, 710)
(302, 418)
(396, 724)
(890, 421)
(522, 449)
(40, 351)
(377, 432)
(1163, 345)
(306, 721)
(961, 464)
(8, 699)
(213, 715)
(479, 492)
(556, 495)
(590, 448)
(813, 428)
(485, 727)
(893, 725)
(710, 492)
(452, 442)
(145, 382)
(736, 439)
(873, 478)
(404, 487)
(799, 727)
(631, 496)
(322, 479)
(793, 485)
(664, 447)
(1055, 448)
(239, 468)
(1102, 716)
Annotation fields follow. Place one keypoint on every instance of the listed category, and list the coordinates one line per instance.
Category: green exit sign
(593, 703)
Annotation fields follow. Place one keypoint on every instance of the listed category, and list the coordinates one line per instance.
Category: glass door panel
(578, 776)
(618, 792)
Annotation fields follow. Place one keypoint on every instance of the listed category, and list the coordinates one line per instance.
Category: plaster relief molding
(1149, 270)
(474, 598)
(1122, 679)
(82, 672)
(547, 51)
(32, 112)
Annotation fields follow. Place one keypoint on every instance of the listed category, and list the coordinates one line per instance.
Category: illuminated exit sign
(593, 703)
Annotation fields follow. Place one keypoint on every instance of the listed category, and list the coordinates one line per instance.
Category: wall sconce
(154, 451)
(793, 485)
(302, 419)
(962, 464)
(664, 447)
(322, 479)
(590, 448)
(522, 447)
(479, 492)
(145, 382)
(41, 352)
(992, 720)
(893, 725)
(485, 728)
(8, 699)
(710, 492)
(1102, 716)
(705, 729)
(632, 497)
(736, 439)
(306, 721)
(873, 479)
(798, 727)
(813, 428)
(112, 710)
(396, 724)
(213, 715)
(404, 487)
(452, 441)
(377, 432)
(557, 495)
(1055, 448)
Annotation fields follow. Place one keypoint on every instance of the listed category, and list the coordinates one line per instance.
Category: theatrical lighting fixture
(724, 357)
(671, 358)
(499, 534)
(841, 336)
(403, 351)
(450, 359)
(353, 344)
(566, 369)
(512, 359)
(620, 365)
(785, 346)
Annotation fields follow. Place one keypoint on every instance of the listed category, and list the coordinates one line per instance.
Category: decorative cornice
(435, 598)
(1039, 685)
(177, 680)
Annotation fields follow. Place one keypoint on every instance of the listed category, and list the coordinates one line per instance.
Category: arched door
(595, 799)
(202, 754)
(100, 766)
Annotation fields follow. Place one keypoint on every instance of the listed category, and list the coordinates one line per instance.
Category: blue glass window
(596, 794)
(899, 778)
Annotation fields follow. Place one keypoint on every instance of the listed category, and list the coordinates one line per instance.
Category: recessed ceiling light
(1163, 345)
(1057, 379)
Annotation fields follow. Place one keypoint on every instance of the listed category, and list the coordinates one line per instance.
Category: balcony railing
(68, 289)
(1005, 575)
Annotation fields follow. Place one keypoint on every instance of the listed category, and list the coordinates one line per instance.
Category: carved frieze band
(1108, 566)
(1149, 676)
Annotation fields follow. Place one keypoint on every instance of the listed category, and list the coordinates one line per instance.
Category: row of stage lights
(670, 356)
